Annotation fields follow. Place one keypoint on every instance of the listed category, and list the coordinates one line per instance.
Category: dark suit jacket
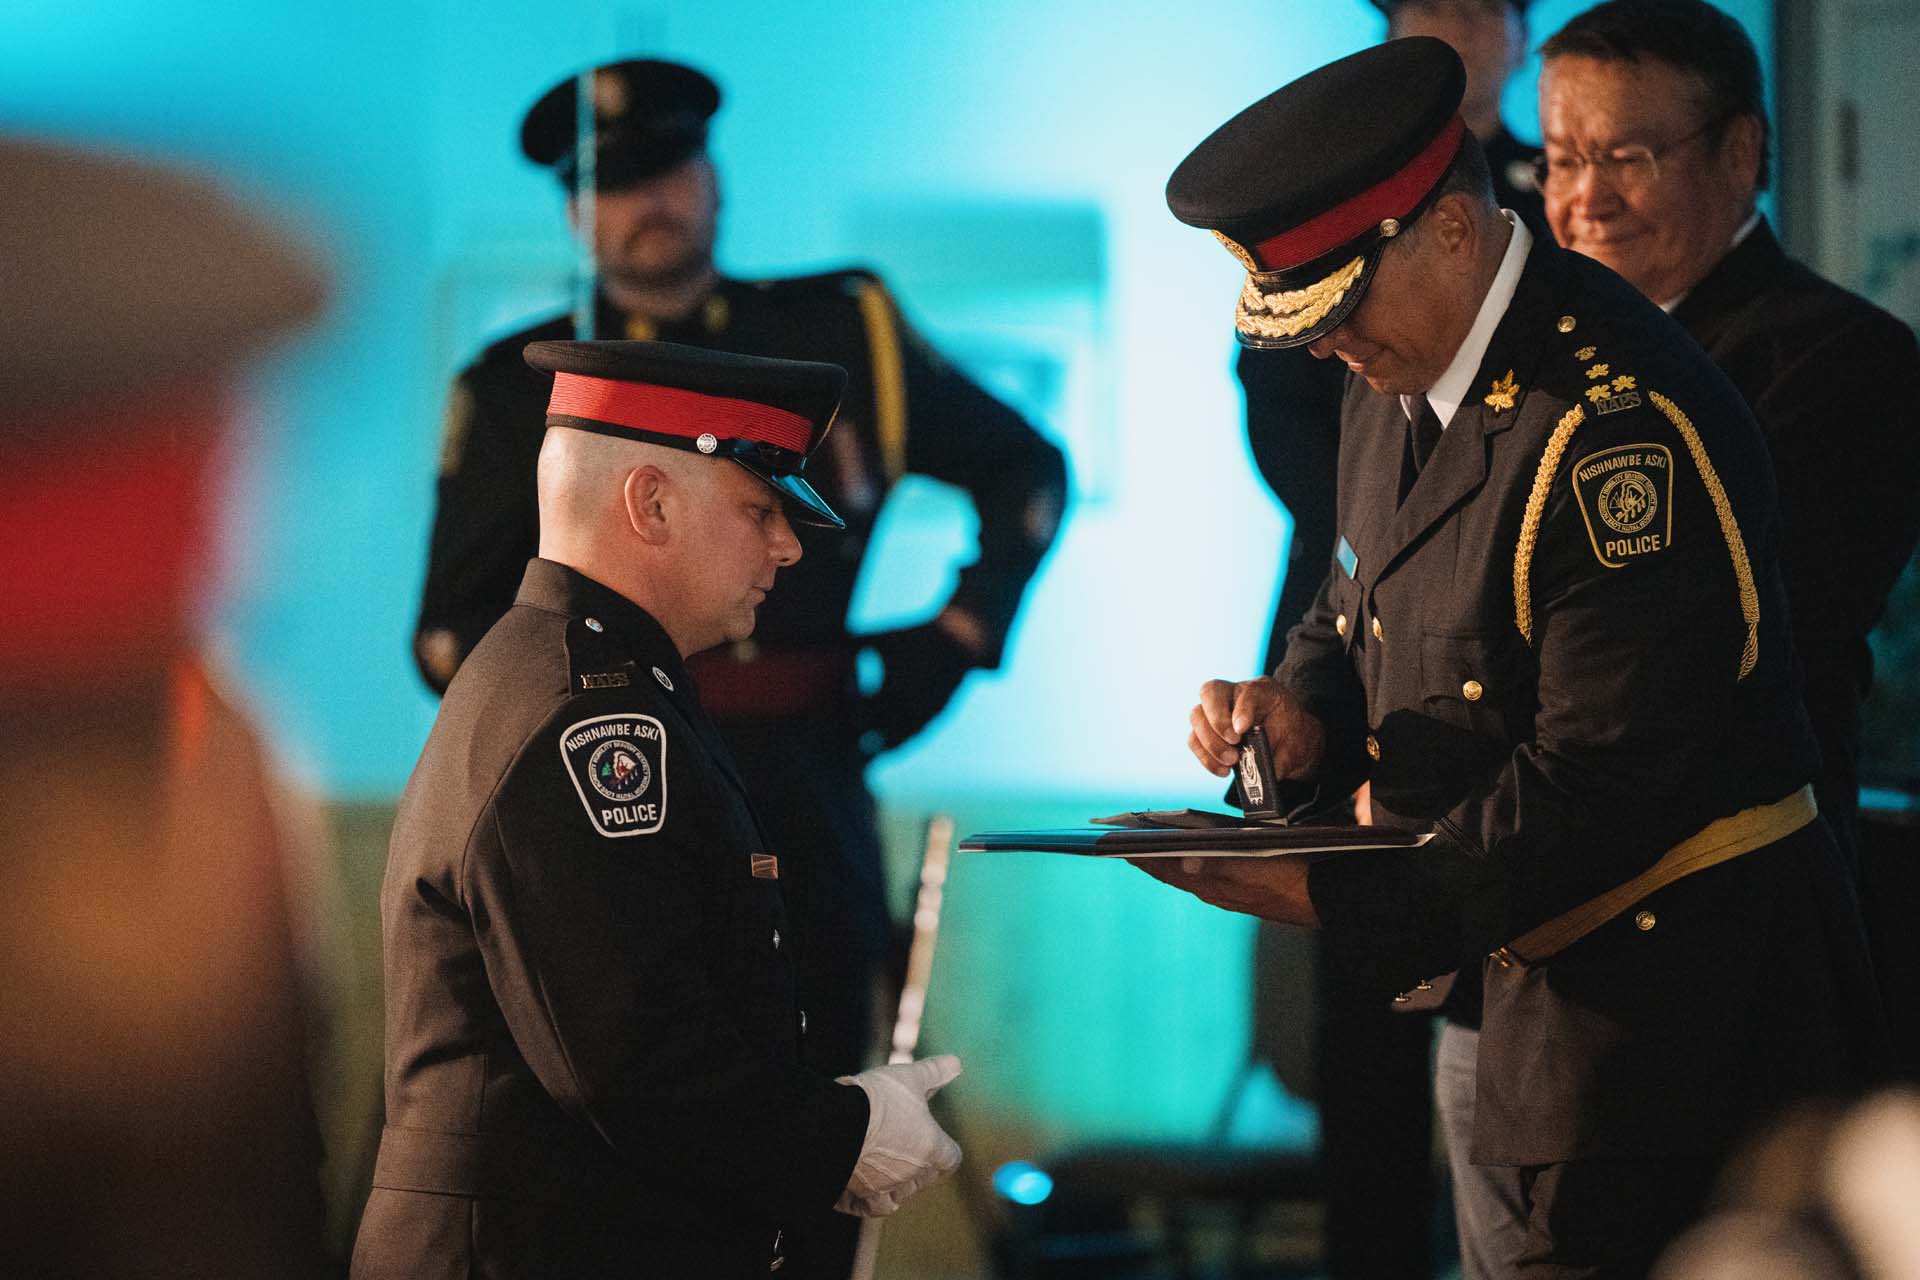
(1564, 652)
(593, 1059)
(1831, 379)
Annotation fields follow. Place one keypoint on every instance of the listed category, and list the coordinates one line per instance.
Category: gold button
(1389, 227)
(1644, 921)
(1566, 324)
(1340, 625)
(1378, 633)
(1471, 691)
(1373, 746)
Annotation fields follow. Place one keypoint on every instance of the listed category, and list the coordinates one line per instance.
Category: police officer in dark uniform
(1552, 634)
(595, 1060)
(788, 700)
(1371, 1063)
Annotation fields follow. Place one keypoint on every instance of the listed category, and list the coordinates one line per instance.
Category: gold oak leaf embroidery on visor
(1294, 311)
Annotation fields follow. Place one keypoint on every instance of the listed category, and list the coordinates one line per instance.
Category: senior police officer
(594, 1054)
(1552, 634)
(788, 700)
(1656, 129)
(1370, 1077)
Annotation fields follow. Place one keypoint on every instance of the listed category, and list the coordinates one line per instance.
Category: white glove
(906, 1149)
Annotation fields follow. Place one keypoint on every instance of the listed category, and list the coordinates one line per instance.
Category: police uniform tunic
(593, 1046)
(788, 699)
(1564, 651)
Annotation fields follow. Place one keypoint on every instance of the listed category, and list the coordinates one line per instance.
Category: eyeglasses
(1629, 169)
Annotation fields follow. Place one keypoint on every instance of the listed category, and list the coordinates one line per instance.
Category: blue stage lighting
(1022, 1183)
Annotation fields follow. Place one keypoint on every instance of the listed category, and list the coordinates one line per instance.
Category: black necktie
(1426, 434)
(1423, 433)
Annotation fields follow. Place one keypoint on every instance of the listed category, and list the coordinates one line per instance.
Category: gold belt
(1719, 841)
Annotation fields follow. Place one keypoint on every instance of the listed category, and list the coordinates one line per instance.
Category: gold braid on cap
(1530, 522)
(1238, 250)
(1729, 529)
(1294, 311)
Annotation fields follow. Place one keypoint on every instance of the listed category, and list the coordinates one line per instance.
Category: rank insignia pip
(1500, 399)
(618, 764)
(1626, 499)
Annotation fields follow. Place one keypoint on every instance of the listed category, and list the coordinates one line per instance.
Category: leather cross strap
(1719, 841)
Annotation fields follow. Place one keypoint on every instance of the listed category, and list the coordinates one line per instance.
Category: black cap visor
(627, 159)
(1278, 310)
(804, 506)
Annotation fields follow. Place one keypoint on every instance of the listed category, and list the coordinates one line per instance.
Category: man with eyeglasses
(1656, 148)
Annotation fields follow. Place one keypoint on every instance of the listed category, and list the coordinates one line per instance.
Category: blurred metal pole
(586, 155)
(913, 992)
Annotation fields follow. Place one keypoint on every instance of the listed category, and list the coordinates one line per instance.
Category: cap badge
(593, 624)
(609, 95)
(1389, 228)
(707, 442)
(661, 676)
(1239, 252)
(1500, 399)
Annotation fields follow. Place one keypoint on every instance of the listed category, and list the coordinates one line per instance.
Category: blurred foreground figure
(595, 1058)
(1828, 1194)
(152, 1080)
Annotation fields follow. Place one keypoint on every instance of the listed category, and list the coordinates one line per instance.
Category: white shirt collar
(1457, 382)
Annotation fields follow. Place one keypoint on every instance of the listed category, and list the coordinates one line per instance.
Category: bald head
(693, 540)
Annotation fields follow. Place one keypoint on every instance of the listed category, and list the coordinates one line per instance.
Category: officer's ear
(644, 497)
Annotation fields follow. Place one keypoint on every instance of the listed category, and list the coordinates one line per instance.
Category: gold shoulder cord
(1530, 523)
(889, 378)
(1729, 526)
(1729, 529)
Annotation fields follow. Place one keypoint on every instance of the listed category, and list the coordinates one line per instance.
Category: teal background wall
(1003, 163)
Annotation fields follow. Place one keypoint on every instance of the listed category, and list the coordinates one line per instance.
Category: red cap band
(676, 412)
(101, 542)
(1389, 198)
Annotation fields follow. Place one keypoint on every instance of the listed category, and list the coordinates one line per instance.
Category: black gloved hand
(923, 667)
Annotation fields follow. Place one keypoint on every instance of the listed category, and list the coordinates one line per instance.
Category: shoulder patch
(618, 764)
(1626, 498)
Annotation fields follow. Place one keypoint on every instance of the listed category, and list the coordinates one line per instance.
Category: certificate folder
(1239, 839)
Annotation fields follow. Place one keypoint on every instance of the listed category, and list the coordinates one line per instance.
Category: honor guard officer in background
(1552, 634)
(594, 1058)
(787, 700)
(1371, 1065)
